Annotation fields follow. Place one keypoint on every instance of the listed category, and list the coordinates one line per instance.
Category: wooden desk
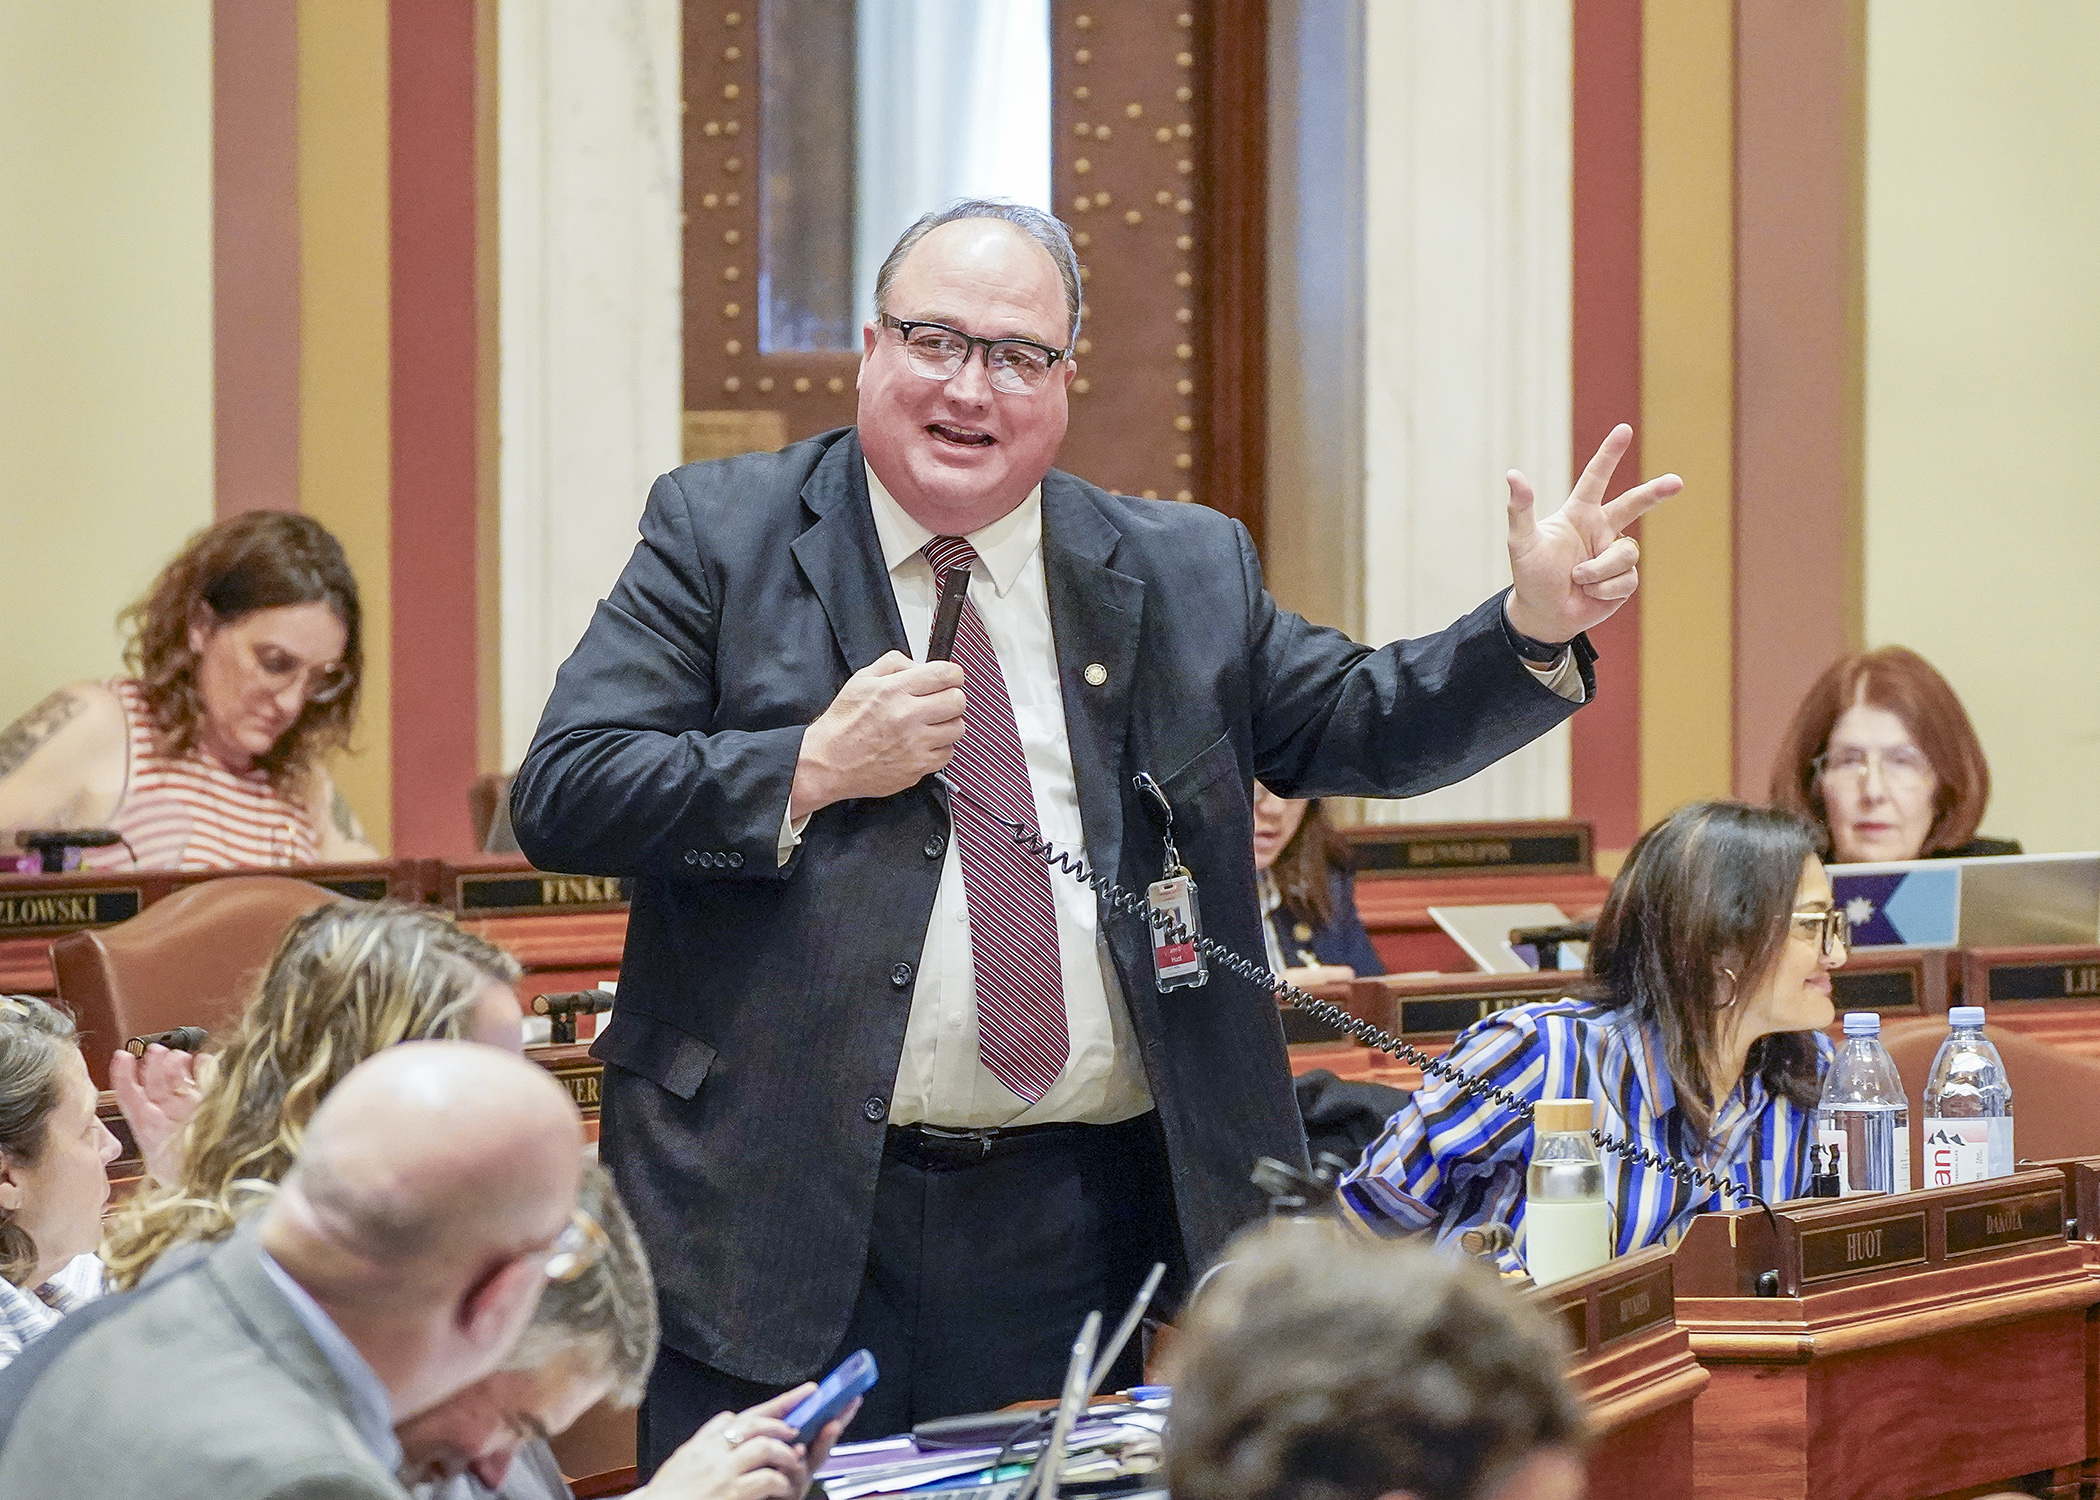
(1635, 1369)
(1404, 869)
(1932, 1344)
(1897, 982)
(36, 910)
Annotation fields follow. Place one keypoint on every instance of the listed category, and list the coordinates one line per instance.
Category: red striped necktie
(1021, 1031)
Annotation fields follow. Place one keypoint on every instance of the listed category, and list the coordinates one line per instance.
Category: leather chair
(2053, 1090)
(192, 959)
(597, 1454)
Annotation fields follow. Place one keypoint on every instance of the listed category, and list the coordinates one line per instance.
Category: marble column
(1467, 333)
(592, 368)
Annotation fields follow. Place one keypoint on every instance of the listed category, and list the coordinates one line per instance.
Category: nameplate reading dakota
(514, 892)
(1444, 856)
(2045, 981)
(1636, 1307)
(2024, 1220)
(1849, 1249)
(31, 911)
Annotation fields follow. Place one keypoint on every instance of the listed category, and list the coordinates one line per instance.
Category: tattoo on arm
(20, 739)
(345, 820)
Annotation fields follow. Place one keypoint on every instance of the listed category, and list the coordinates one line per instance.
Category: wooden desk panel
(1635, 1369)
(1887, 1384)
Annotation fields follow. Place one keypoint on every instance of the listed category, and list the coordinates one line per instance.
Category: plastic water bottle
(1567, 1224)
(1863, 1123)
(1968, 1106)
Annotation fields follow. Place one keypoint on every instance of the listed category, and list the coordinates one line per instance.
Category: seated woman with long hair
(245, 662)
(348, 980)
(1698, 1037)
(54, 1156)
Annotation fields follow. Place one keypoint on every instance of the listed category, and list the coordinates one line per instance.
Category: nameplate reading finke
(532, 891)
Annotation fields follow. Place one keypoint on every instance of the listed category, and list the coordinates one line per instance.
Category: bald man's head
(430, 1158)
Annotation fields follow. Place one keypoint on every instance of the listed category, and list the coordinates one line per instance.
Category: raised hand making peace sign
(1576, 567)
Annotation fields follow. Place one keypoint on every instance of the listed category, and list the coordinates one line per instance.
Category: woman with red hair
(1882, 758)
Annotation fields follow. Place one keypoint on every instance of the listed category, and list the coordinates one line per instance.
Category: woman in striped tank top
(245, 661)
(1697, 1036)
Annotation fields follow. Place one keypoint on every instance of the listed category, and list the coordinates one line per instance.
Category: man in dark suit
(395, 1265)
(878, 1076)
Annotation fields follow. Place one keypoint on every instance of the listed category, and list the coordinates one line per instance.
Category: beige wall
(1983, 382)
(105, 320)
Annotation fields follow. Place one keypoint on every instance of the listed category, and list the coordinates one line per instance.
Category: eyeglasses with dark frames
(1830, 929)
(1019, 367)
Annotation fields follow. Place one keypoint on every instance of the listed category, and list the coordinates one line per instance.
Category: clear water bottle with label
(1968, 1106)
(1863, 1123)
(1567, 1223)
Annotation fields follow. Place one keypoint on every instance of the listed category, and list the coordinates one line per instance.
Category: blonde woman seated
(1698, 1038)
(348, 980)
(54, 1156)
(244, 663)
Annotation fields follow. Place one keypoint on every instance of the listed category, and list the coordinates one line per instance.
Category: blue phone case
(855, 1376)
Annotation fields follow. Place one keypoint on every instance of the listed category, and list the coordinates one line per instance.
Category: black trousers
(984, 1260)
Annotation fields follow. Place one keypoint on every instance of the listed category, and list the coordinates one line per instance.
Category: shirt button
(936, 845)
(736, 860)
(874, 1107)
(901, 976)
(692, 856)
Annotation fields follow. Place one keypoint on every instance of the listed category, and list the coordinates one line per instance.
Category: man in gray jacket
(407, 1248)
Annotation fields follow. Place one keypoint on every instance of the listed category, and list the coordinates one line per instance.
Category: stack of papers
(1100, 1449)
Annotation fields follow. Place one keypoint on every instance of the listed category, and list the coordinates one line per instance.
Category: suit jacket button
(936, 845)
(901, 976)
(692, 856)
(874, 1107)
(736, 860)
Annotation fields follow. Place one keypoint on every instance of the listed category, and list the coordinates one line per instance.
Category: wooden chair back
(190, 960)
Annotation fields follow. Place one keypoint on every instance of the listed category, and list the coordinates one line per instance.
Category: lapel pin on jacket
(1096, 674)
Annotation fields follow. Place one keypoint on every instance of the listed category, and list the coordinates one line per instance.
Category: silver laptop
(2002, 901)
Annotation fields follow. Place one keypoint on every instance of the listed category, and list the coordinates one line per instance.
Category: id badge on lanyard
(1172, 909)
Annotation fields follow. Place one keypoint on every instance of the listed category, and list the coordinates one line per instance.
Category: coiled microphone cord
(1328, 1013)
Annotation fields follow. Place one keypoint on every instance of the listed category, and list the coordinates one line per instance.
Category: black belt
(944, 1146)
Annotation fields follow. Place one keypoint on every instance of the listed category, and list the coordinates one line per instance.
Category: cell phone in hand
(854, 1377)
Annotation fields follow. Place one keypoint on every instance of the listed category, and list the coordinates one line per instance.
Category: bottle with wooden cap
(1567, 1224)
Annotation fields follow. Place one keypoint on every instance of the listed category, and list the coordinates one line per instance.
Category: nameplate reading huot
(529, 891)
(2076, 981)
(1873, 1245)
(2022, 1220)
(1623, 1311)
(32, 911)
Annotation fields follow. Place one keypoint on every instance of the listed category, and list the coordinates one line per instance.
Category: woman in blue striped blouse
(1697, 1036)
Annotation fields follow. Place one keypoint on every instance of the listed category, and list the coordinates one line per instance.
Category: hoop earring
(1732, 996)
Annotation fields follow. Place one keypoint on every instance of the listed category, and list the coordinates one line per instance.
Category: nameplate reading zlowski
(36, 910)
(1874, 1245)
(2023, 1220)
(531, 891)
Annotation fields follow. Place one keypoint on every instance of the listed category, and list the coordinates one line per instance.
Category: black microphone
(51, 844)
(562, 1010)
(955, 587)
(181, 1039)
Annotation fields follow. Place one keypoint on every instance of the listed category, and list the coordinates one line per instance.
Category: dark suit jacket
(762, 1009)
(1339, 940)
(202, 1386)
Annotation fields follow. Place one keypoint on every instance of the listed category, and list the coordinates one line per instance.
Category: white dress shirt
(941, 1080)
